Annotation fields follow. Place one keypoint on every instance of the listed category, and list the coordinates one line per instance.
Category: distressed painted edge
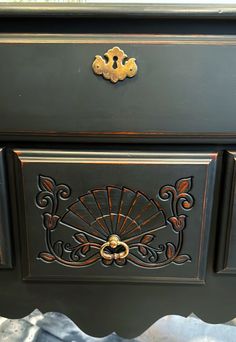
(187, 11)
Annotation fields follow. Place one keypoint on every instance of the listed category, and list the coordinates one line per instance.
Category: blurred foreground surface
(56, 327)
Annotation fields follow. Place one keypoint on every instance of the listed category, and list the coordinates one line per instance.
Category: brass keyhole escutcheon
(114, 242)
(115, 66)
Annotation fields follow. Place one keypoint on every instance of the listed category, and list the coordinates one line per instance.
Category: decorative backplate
(115, 67)
(116, 215)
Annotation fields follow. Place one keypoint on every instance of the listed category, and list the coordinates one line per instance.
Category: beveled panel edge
(204, 158)
(120, 137)
(184, 11)
(111, 280)
(91, 155)
(229, 183)
(142, 39)
(5, 245)
(206, 223)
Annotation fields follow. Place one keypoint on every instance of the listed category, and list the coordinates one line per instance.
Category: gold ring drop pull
(113, 242)
(116, 67)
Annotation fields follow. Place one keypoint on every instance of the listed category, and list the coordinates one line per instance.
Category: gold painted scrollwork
(115, 67)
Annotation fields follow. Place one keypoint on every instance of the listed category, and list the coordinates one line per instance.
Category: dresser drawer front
(76, 204)
(180, 89)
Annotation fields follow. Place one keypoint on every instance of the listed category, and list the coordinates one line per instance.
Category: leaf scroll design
(48, 199)
(180, 200)
(49, 195)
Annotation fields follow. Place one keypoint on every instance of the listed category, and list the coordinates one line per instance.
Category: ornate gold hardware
(114, 242)
(116, 67)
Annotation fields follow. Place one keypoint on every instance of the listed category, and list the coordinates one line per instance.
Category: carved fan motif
(115, 225)
(123, 212)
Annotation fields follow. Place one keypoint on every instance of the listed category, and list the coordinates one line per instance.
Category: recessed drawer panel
(5, 246)
(116, 215)
(227, 250)
(181, 87)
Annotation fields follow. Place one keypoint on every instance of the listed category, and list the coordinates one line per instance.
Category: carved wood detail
(129, 214)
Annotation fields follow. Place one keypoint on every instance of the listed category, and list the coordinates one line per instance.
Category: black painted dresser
(117, 170)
